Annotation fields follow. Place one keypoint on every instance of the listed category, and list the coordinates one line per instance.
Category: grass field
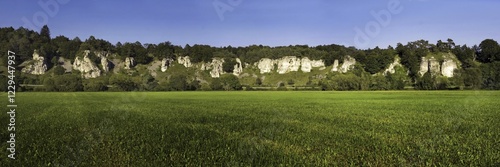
(407, 128)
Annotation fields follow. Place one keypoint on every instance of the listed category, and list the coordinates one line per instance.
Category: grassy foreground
(255, 129)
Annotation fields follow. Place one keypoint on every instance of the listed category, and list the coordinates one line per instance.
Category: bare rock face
(37, 66)
(184, 61)
(288, 64)
(238, 68)
(448, 68)
(449, 64)
(104, 60)
(348, 64)
(393, 65)
(165, 63)
(129, 63)
(306, 65)
(335, 66)
(105, 64)
(429, 65)
(86, 66)
(216, 67)
(318, 64)
(265, 65)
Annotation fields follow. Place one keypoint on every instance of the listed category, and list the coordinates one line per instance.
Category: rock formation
(307, 65)
(335, 66)
(37, 66)
(216, 67)
(265, 65)
(129, 63)
(393, 65)
(165, 63)
(448, 67)
(348, 64)
(288, 64)
(105, 64)
(238, 68)
(86, 66)
(184, 61)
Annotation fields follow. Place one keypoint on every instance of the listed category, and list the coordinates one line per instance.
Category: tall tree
(45, 34)
(489, 51)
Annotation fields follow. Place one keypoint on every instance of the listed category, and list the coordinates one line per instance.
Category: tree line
(480, 64)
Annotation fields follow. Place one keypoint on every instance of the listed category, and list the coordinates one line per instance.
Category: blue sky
(266, 22)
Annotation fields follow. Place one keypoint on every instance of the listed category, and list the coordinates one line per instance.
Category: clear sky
(266, 22)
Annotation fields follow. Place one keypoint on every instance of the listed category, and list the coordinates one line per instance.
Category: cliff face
(86, 66)
(289, 64)
(184, 61)
(348, 65)
(444, 65)
(37, 66)
(391, 69)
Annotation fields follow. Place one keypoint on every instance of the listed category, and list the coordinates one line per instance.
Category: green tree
(95, 85)
(490, 51)
(228, 65)
(230, 82)
(216, 84)
(45, 34)
(177, 82)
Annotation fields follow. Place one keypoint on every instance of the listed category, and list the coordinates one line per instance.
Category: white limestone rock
(392, 66)
(186, 61)
(37, 66)
(288, 64)
(105, 64)
(238, 68)
(348, 64)
(265, 65)
(216, 67)
(129, 63)
(306, 65)
(86, 66)
(318, 64)
(448, 68)
(335, 66)
(165, 63)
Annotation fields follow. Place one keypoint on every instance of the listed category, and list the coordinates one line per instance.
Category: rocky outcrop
(86, 66)
(391, 69)
(105, 64)
(216, 67)
(184, 61)
(348, 64)
(307, 65)
(37, 66)
(288, 64)
(238, 68)
(448, 67)
(335, 66)
(129, 63)
(165, 63)
(318, 64)
(265, 65)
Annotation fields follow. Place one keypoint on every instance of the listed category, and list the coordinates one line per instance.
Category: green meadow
(393, 128)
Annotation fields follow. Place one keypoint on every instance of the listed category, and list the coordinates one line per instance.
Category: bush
(95, 85)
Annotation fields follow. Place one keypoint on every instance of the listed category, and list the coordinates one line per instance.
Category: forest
(479, 64)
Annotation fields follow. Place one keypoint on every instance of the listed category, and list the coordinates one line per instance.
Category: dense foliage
(479, 64)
